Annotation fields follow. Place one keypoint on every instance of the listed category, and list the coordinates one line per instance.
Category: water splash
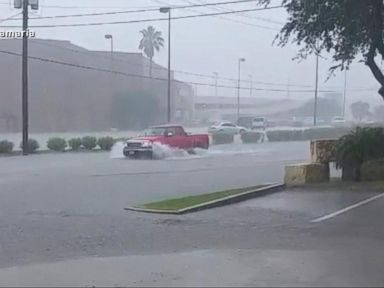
(117, 150)
(161, 151)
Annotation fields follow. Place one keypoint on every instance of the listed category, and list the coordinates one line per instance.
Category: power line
(221, 17)
(162, 69)
(151, 20)
(148, 77)
(10, 17)
(140, 10)
(239, 15)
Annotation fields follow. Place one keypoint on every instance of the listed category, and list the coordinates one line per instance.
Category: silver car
(226, 127)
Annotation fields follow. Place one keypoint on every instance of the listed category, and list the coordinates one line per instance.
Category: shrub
(74, 143)
(89, 142)
(251, 137)
(357, 147)
(314, 133)
(373, 170)
(105, 143)
(57, 144)
(222, 138)
(32, 145)
(325, 133)
(6, 147)
(285, 135)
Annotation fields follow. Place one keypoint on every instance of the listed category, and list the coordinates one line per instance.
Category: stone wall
(323, 151)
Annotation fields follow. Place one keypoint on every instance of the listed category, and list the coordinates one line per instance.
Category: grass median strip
(188, 201)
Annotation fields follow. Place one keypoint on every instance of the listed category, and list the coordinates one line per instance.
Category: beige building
(72, 89)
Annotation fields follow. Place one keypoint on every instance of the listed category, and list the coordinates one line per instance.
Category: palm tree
(150, 42)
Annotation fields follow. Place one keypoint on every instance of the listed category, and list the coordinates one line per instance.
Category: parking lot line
(346, 209)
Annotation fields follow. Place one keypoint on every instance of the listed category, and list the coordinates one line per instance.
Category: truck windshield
(155, 131)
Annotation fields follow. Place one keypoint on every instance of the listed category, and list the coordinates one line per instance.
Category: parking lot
(62, 222)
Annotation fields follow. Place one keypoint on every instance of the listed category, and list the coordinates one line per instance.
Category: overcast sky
(203, 45)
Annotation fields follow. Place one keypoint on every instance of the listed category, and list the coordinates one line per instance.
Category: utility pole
(216, 81)
(345, 93)
(23, 4)
(25, 78)
(168, 10)
(316, 88)
(238, 87)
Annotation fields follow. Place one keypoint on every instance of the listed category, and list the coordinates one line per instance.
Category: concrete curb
(268, 189)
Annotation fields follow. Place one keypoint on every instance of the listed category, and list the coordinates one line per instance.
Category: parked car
(338, 120)
(171, 135)
(259, 123)
(226, 127)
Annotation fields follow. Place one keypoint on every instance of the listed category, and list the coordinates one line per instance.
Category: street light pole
(216, 80)
(168, 10)
(25, 116)
(238, 87)
(316, 88)
(110, 37)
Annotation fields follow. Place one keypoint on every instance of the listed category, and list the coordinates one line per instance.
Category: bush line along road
(106, 142)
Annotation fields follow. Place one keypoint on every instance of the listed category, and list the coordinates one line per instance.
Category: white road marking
(337, 213)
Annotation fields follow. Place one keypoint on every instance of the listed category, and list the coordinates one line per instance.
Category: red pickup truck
(171, 135)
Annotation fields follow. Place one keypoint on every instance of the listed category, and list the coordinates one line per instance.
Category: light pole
(238, 87)
(168, 10)
(316, 88)
(110, 37)
(250, 85)
(216, 80)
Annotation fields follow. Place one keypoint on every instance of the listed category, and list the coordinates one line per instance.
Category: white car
(226, 127)
(338, 120)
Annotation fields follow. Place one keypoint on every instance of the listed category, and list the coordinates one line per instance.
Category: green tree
(360, 110)
(348, 29)
(150, 42)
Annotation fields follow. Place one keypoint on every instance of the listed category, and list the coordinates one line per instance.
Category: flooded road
(57, 208)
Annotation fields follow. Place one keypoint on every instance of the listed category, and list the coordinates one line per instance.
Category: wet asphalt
(60, 207)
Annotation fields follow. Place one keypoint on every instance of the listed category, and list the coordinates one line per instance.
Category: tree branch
(370, 62)
(378, 25)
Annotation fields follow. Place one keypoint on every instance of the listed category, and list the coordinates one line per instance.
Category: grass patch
(184, 202)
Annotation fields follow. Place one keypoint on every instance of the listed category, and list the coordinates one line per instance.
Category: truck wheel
(191, 152)
(202, 146)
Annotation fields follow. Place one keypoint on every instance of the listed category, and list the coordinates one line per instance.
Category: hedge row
(307, 134)
(284, 135)
(75, 144)
(60, 144)
(6, 147)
